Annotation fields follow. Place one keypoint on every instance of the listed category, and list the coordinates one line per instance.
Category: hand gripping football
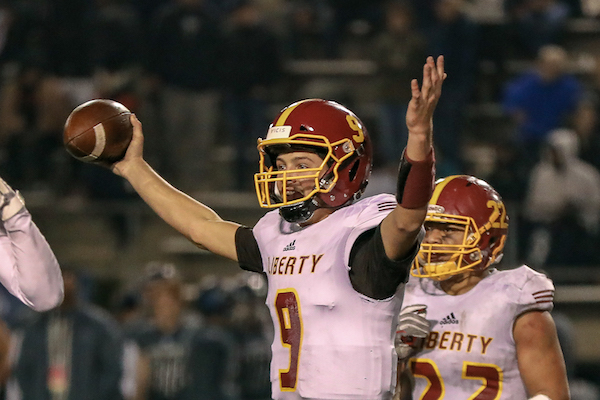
(98, 131)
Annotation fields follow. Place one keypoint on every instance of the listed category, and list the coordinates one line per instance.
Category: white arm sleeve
(28, 266)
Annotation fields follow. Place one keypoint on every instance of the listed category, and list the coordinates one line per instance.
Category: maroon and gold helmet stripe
(439, 187)
(287, 111)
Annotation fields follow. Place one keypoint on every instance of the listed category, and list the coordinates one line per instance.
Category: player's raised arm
(28, 266)
(194, 220)
(416, 174)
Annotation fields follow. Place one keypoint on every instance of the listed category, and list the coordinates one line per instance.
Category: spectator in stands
(186, 72)
(563, 205)
(395, 50)
(68, 55)
(21, 30)
(307, 30)
(72, 352)
(587, 125)
(116, 37)
(127, 310)
(214, 304)
(35, 92)
(541, 100)
(19, 127)
(48, 49)
(534, 24)
(579, 388)
(146, 9)
(253, 66)
(253, 334)
(179, 359)
(587, 120)
(347, 15)
(455, 35)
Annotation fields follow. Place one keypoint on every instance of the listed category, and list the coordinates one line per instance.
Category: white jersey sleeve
(28, 266)
(536, 292)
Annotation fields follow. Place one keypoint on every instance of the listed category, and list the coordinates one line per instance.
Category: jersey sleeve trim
(248, 252)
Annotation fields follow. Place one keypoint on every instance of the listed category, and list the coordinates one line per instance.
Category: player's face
(443, 234)
(300, 160)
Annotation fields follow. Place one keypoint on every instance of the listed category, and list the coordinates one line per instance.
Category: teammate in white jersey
(333, 264)
(28, 267)
(469, 331)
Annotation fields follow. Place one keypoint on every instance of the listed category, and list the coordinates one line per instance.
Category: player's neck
(461, 284)
(319, 215)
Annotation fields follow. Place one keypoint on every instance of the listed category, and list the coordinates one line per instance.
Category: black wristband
(416, 180)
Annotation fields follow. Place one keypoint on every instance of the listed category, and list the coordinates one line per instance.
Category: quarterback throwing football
(333, 262)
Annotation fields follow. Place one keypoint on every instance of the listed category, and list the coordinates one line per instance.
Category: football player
(467, 329)
(28, 267)
(333, 263)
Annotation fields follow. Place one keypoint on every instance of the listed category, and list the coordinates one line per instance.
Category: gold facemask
(271, 185)
(463, 256)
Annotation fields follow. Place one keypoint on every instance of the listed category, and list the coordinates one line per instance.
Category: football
(98, 131)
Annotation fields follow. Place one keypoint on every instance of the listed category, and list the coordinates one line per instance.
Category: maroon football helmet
(473, 203)
(333, 132)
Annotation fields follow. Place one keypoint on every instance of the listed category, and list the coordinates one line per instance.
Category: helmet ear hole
(354, 170)
(492, 242)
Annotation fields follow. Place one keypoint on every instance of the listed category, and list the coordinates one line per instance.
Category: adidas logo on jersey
(291, 246)
(450, 319)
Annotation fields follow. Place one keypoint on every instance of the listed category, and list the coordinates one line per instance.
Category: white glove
(412, 330)
(11, 202)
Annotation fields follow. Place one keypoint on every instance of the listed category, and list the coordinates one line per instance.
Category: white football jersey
(470, 352)
(330, 341)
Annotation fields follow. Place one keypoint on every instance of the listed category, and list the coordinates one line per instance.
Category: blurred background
(520, 109)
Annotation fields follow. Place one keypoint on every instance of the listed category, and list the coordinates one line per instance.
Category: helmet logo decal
(498, 217)
(355, 126)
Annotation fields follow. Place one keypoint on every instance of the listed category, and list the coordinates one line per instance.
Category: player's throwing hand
(135, 150)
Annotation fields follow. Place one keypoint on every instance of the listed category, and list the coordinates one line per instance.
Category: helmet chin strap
(447, 270)
(299, 213)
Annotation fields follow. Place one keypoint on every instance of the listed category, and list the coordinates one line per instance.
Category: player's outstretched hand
(11, 201)
(135, 151)
(412, 329)
(419, 116)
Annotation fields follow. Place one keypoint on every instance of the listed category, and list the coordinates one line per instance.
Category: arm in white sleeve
(28, 266)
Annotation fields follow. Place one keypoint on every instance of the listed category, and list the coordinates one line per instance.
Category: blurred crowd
(205, 77)
(161, 337)
(202, 74)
